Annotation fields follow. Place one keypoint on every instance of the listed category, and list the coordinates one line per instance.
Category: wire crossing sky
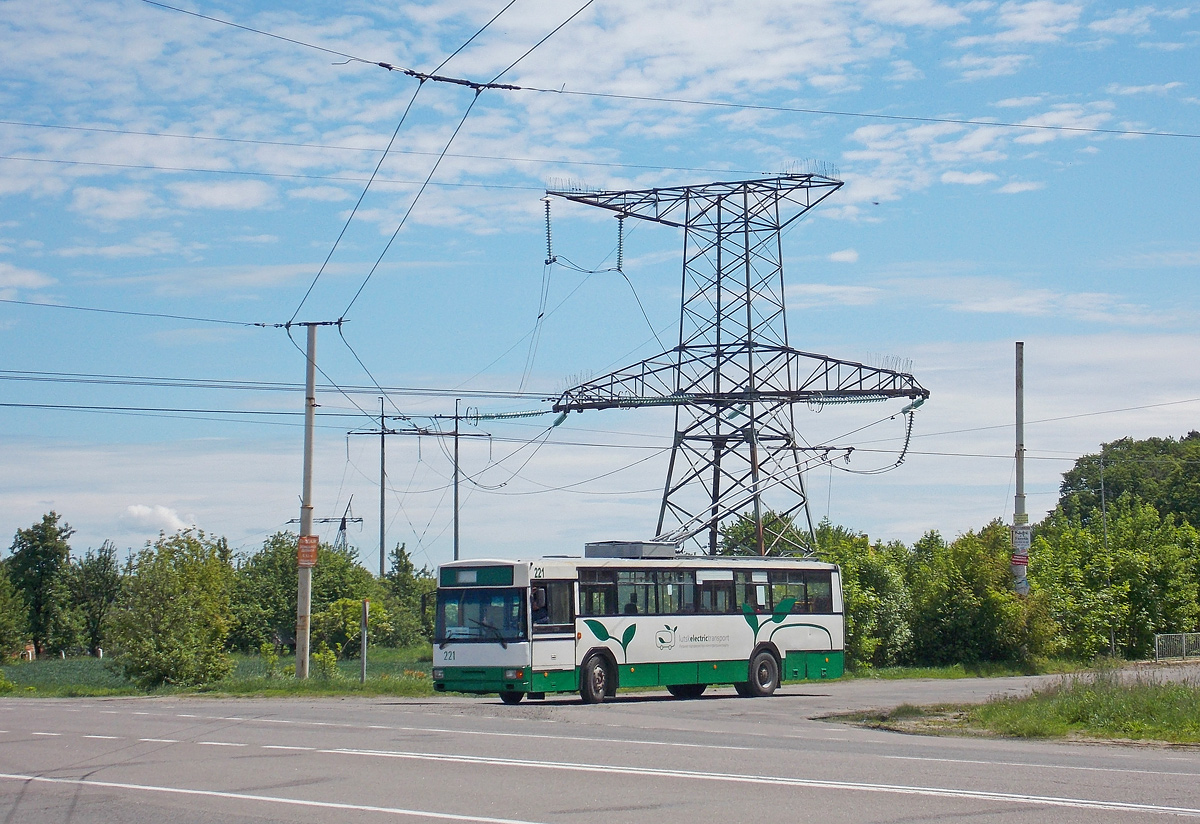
(174, 176)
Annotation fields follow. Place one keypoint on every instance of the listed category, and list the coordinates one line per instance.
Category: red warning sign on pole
(306, 552)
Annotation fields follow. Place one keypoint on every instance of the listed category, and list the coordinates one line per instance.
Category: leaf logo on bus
(778, 616)
(601, 632)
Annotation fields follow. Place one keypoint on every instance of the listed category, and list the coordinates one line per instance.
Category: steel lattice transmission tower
(734, 380)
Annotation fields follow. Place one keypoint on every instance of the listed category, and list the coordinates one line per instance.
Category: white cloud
(811, 295)
(914, 13)
(12, 277)
(1125, 21)
(331, 194)
(1159, 89)
(968, 178)
(1039, 21)
(1019, 186)
(974, 66)
(152, 243)
(256, 239)
(1019, 102)
(904, 71)
(116, 204)
(845, 256)
(239, 194)
(1069, 115)
(999, 296)
(1170, 258)
(156, 517)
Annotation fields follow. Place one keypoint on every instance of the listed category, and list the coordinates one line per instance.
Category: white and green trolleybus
(635, 615)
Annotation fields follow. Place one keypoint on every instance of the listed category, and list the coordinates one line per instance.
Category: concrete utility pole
(456, 400)
(306, 556)
(382, 488)
(1020, 528)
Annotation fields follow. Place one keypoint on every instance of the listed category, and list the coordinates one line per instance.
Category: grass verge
(401, 672)
(982, 670)
(1098, 706)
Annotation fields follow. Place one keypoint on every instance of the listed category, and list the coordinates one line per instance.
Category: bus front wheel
(764, 674)
(509, 697)
(594, 680)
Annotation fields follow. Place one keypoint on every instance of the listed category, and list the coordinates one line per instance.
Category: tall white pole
(1020, 530)
(456, 479)
(382, 485)
(304, 582)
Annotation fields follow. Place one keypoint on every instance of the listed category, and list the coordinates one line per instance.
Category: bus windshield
(480, 615)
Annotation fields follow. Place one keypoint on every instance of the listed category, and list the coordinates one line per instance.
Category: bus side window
(676, 592)
(597, 592)
(751, 589)
(820, 590)
(790, 584)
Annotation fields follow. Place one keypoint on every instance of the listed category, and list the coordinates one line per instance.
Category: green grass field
(402, 672)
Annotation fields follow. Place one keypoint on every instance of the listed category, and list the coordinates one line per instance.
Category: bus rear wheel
(509, 697)
(594, 680)
(686, 690)
(764, 674)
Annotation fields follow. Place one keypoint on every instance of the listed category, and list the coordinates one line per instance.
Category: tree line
(1117, 561)
(175, 610)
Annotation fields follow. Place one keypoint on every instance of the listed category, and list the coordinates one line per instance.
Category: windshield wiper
(499, 635)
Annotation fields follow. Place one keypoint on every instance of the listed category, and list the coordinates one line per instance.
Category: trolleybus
(635, 615)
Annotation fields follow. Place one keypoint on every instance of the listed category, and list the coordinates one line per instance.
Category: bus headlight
(514, 673)
(438, 674)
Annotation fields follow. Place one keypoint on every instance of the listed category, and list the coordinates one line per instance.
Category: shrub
(173, 618)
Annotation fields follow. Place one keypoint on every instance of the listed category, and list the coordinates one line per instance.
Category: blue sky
(158, 162)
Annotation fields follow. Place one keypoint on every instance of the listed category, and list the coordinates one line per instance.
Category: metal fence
(1177, 645)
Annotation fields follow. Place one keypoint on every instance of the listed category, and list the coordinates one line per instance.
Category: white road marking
(1036, 766)
(808, 783)
(160, 740)
(45, 733)
(477, 733)
(219, 744)
(269, 799)
(282, 747)
(105, 737)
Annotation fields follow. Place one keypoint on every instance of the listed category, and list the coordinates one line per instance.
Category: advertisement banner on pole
(306, 552)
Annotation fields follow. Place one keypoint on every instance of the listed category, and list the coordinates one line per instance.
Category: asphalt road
(641, 758)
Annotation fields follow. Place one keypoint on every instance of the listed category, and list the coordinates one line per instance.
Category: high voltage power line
(683, 100)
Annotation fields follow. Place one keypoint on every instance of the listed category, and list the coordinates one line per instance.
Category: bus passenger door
(553, 635)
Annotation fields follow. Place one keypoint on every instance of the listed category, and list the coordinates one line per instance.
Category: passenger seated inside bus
(541, 613)
(632, 607)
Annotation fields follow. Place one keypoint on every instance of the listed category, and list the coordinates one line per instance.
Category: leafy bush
(173, 618)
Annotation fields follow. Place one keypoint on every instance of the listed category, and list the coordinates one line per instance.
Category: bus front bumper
(482, 679)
